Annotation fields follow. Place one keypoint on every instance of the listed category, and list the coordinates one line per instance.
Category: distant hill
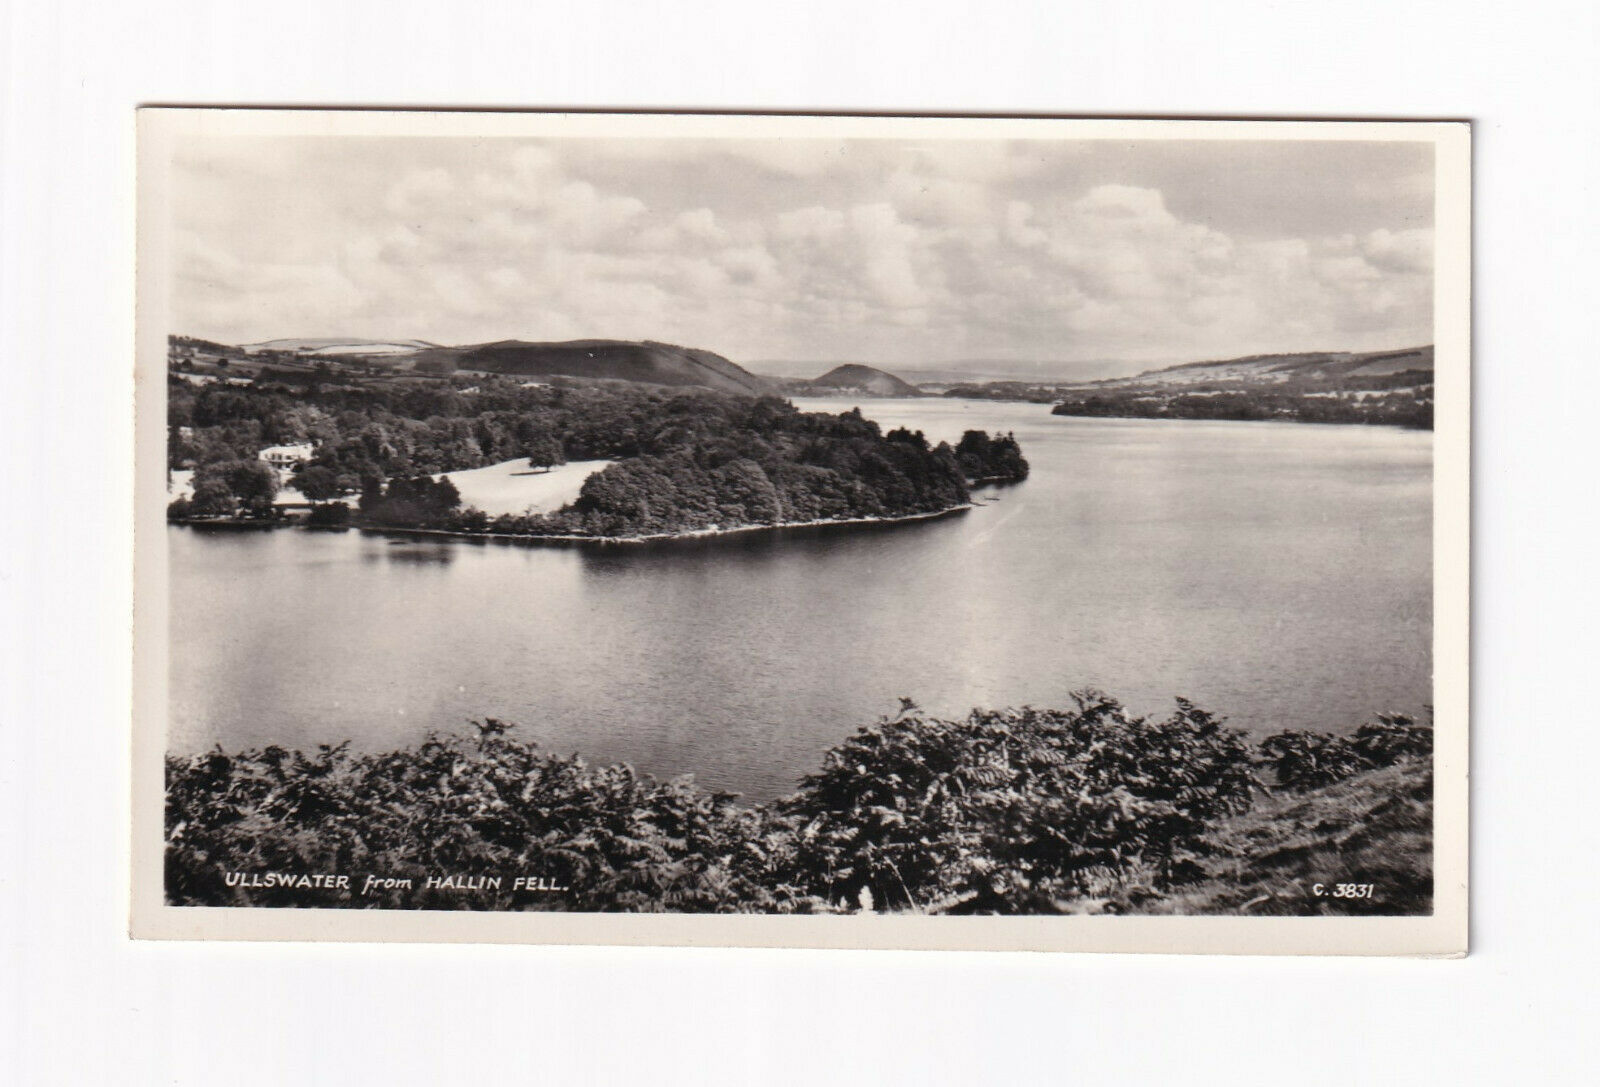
(1346, 369)
(867, 379)
(852, 378)
(612, 360)
(1392, 388)
(616, 360)
(922, 372)
(337, 346)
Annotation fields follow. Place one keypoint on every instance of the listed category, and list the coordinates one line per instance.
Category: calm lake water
(1276, 573)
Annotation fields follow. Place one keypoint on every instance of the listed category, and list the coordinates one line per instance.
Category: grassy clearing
(512, 487)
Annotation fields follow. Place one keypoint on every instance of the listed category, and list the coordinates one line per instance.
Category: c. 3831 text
(1344, 890)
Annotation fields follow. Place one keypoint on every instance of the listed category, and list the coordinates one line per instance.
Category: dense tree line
(371, 432)
(1403, 409)
(244, 487)
(422, 502)
(1010, 811)
(686, 460)
(984, 458)
(1028, 391)
(211, 347)
(780, 466)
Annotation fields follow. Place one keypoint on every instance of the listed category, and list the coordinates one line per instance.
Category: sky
(897, 252)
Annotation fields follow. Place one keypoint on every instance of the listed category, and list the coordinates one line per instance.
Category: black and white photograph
(798, 543)
(802, 530)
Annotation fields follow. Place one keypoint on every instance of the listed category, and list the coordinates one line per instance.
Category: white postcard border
(1444, 933)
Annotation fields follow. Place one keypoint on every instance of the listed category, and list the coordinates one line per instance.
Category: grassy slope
(1375, 827)
(1318, 367)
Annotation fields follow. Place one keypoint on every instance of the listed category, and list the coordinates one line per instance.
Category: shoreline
(570, 540)
(663, 537)
(1223, 419)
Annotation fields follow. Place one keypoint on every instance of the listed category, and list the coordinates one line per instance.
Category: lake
(1277, 573)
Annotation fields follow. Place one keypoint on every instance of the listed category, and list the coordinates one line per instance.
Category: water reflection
(798, 543)
(415, 552)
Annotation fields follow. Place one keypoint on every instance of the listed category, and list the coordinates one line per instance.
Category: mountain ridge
(640, 361)
(646, 361)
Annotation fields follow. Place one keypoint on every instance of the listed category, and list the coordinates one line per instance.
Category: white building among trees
(286, 458)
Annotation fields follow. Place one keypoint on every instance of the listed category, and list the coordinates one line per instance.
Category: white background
(81, 1004)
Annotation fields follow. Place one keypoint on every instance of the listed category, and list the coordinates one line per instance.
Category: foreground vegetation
(1089, 809)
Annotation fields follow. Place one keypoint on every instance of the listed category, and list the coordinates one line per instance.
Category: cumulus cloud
(899, 253)
(1404, 251)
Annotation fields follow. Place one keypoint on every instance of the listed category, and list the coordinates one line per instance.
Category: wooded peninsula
(685, 460)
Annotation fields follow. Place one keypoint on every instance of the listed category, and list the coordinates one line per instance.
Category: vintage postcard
(814, 531)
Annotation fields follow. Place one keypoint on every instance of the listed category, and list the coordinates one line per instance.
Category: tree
(909, 437)
(411, 503)
(254, 483)
(545, 452)
(983, 457)
(445, 496)
(745, 495)
(329, 515)
(371, 500)
(212, 498)
(317, 483)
